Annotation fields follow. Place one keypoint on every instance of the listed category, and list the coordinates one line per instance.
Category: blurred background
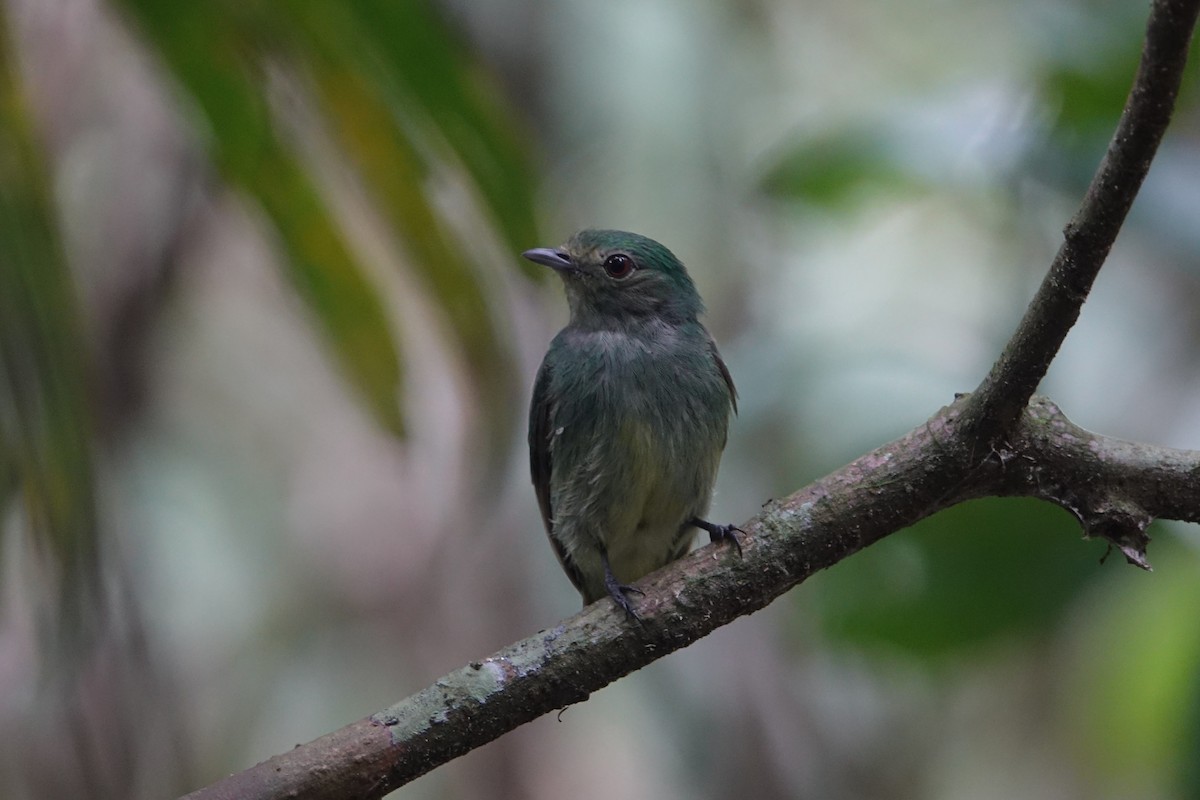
(267, 347)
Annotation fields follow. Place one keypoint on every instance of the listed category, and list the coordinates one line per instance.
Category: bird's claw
(619, 592)
(721, 533)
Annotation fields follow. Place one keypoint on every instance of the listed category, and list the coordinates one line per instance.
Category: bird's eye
(618, 265)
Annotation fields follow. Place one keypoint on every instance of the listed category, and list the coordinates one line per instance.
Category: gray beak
(555, 259)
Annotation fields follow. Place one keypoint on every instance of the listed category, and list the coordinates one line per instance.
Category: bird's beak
(555, 259)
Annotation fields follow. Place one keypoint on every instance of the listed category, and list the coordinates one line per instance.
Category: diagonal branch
(1114, 488)
(1091, 232)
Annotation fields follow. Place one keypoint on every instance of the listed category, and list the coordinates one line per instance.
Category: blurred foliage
(216, 51)
(994, 572)
(1082, 94)
(994, 568)
(1086, 97)
(421, 127)
(404, 102)
(1145, 689)
(835, 170)
(971, 574)
(45, 422)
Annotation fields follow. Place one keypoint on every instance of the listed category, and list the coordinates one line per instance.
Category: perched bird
(629, 414)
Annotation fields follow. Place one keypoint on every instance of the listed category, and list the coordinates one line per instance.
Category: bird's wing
(712, 348)
(541, 429)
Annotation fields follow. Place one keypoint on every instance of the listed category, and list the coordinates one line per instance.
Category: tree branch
(1091, 232)
(1115, 488)
(991, 443)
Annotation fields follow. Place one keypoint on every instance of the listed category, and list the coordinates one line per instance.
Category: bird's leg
(619, 591)
(718, 533)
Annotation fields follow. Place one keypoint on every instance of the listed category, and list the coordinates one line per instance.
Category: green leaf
(406, 106)
(1088, 101)
(379, 119)
(836, 170)
(45, 418)
(972, 573)
(423, 65)
(217, 51)
(1136, 710)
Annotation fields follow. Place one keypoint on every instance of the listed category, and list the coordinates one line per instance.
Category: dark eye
(618, 265)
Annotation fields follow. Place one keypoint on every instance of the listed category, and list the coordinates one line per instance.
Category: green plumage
(629, 414)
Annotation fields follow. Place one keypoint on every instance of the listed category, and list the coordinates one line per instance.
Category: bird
(629, 415)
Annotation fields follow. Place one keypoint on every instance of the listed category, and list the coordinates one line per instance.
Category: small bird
(629, 414)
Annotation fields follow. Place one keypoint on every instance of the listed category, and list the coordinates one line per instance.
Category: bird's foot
(720, 533)
(619, 592)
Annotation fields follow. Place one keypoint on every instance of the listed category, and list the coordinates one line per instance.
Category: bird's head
(614, 276)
